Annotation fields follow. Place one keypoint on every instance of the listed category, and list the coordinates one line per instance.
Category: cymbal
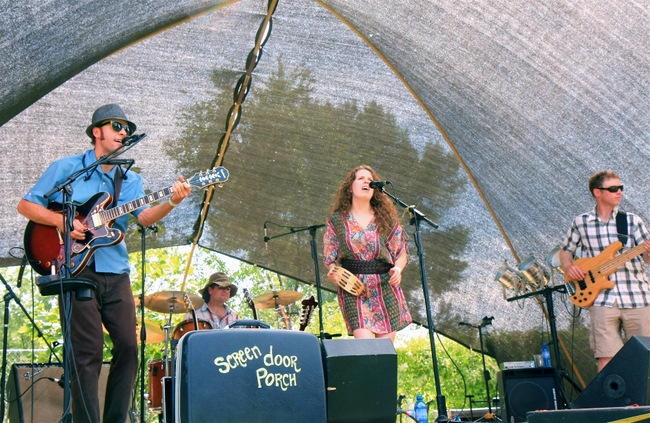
(154, 332)
(274, 299)
(171, 301)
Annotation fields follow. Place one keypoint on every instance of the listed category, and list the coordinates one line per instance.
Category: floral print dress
(384, 310)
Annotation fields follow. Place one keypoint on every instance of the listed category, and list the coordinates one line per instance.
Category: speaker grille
(42, 399)
(524, 390)
(624, 381)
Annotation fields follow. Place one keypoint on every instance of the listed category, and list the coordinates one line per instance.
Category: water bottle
(546, 356)
(420, 411)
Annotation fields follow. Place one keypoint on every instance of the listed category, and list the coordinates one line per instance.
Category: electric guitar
(44, 247)
(308, 306)
(584, 292)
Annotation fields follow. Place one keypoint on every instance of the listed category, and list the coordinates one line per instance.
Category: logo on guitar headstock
(216, 175)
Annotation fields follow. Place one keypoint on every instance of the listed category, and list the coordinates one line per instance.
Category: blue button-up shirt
(113, 259)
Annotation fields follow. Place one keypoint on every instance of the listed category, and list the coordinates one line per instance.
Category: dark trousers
(114, 307)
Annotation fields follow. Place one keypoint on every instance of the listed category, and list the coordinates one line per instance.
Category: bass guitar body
(583, 293)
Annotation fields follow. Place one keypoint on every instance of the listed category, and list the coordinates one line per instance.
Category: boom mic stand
(416, 218)
(314, 255)
(486, 375)
(7, 298)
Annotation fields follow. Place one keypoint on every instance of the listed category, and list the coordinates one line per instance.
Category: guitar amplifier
(249, 375)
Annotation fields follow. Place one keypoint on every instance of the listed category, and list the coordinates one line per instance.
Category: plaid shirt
(204, 313)
(593, 235)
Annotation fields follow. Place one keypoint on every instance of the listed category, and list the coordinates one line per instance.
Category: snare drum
(188, 326)
(157, 370)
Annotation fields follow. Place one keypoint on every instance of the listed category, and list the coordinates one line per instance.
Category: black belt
(365, 267)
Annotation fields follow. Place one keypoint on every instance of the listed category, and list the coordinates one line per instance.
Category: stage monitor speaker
(524, 390)
(249, 375)
(32, 397)
(624, 381)
(361, 380)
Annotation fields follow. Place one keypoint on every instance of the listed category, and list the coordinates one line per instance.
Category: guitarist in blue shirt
(613, 286)
(113, 304)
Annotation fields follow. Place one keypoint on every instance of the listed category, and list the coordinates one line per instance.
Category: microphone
(465, 324)
(21, 272)
(378, 184)
(133, 139)
(266, 238)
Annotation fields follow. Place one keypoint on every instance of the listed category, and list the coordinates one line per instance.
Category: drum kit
(175, 302)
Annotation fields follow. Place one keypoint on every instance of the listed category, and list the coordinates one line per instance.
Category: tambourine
(348, 281)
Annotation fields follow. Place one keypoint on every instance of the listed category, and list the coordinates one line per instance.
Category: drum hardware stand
(486, 374)
(314, 255)
(7, 298)
(416, 218)
(561, 372)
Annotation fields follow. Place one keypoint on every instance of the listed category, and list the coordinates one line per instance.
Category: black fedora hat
(105, 113)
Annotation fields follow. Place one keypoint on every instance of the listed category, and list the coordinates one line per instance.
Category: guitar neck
(126, 208)
(621, 259)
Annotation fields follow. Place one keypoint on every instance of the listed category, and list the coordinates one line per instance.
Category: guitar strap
(117, 185)
(621, 227)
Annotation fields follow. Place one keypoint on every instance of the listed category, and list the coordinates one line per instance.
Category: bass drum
(188, 326)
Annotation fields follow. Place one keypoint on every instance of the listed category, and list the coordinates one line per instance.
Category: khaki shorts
(606, 325)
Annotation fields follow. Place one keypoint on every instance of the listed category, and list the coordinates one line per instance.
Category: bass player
(626, 303)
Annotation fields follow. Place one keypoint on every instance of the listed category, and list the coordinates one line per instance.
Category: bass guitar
(44, 247)
(584, 292)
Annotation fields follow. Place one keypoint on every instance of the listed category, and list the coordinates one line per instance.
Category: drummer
(215, 294)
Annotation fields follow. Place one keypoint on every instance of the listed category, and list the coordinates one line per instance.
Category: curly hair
(385, 213)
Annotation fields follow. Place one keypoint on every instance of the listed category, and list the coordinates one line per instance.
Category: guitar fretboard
(126, 208)
(619, 260)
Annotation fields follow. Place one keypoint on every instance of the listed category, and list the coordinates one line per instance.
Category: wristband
(171, 203)
(399, 269)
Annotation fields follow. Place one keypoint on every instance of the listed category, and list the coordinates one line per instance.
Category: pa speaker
(34, 397)
(524, 390)
(624, 381)
(361, 380)
(249, 375)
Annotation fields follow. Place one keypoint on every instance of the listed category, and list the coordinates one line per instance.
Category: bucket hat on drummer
(220, 279)
(105, 113)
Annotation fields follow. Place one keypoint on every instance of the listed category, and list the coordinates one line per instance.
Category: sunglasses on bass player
(117, 126)
(613, 188)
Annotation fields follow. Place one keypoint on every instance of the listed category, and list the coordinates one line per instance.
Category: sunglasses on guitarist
(612, 189)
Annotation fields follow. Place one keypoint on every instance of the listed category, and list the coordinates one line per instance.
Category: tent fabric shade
(478, 112)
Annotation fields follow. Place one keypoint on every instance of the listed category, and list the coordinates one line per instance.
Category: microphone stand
(143, 328)
(486, 375)
(561, 372)
(416, 218)
(314, 255)
(63, 284)
(7, 298)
